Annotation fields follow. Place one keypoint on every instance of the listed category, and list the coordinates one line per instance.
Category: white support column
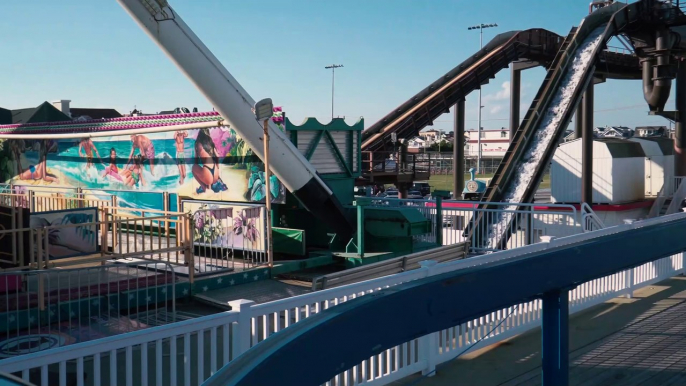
(629, 273)
(428, 344)
(242, 330)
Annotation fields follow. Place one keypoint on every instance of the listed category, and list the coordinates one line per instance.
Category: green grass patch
(445, 182)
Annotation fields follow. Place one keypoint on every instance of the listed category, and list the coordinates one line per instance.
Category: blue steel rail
(316, 349)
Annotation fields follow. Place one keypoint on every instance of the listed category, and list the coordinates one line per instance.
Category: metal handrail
(677, 198)
(587, 213)
(658, 203)
(390, 266)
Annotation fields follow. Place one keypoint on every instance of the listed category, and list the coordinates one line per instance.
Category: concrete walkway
(621, 342)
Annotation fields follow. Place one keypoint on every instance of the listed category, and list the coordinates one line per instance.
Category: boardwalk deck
(622, 342)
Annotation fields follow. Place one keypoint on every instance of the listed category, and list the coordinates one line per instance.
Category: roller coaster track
(422, 109)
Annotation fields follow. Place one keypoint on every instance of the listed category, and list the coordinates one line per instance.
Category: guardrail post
(555, 338)
(530, 226)
(629, 273)
(188, 247)
(439, 220)
(428, 266)
(428, 344)
(629, 278)
(32, 201)
(242, 330)
(428, 351)
(167, 209)
(79, 197)
(104, 229)
(360, 228)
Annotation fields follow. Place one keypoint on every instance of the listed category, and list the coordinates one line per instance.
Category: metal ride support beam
(555, 338)
(515, 93)
(458, 149)
(516, 69)
(680, 129)
(587, 146)
(579, 120)
(167, 29)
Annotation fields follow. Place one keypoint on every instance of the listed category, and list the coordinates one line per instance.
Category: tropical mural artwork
(69, 241)
(238, 227)
(204, 164)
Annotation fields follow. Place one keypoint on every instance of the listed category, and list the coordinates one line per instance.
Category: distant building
(57, 111)
(613, 132)
(651, 131)
(45, 112)
(84, 113)
(568, 135)
(417, 143)
(94, 113)
(431, 136)
(494, 142)
(179, 110)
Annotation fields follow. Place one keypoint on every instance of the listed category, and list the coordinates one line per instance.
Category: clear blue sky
(94, 54)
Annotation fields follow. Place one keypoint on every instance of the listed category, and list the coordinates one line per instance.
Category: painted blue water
(166, 176)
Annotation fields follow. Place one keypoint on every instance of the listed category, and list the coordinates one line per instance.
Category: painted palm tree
(58, 236)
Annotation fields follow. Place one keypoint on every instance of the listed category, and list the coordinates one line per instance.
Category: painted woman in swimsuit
(112, 169)
(134, 177)
(39, 172)
(206, 164)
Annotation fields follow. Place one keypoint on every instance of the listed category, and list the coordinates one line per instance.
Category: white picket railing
(229, 334)
(160, 354)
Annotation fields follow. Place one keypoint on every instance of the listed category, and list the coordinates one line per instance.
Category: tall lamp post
(333, 68)
(264, 110)
(481, 28)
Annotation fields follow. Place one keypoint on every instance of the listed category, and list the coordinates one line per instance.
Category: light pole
(333, 68)
(264, 110)
(481, 28)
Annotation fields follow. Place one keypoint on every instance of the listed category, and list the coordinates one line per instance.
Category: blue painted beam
(555, 338)
(314, 350)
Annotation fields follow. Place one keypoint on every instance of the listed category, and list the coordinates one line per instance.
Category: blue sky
(94, 54)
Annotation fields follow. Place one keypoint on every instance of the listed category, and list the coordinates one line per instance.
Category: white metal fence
(529, 223)
(173, 354)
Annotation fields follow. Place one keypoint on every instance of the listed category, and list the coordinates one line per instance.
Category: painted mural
(203, 164)
(71, 240)
(239, 227)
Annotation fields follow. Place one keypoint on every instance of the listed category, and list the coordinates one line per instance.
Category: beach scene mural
(204, 164)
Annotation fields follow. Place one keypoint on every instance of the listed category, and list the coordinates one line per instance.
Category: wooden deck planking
(648, 352)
